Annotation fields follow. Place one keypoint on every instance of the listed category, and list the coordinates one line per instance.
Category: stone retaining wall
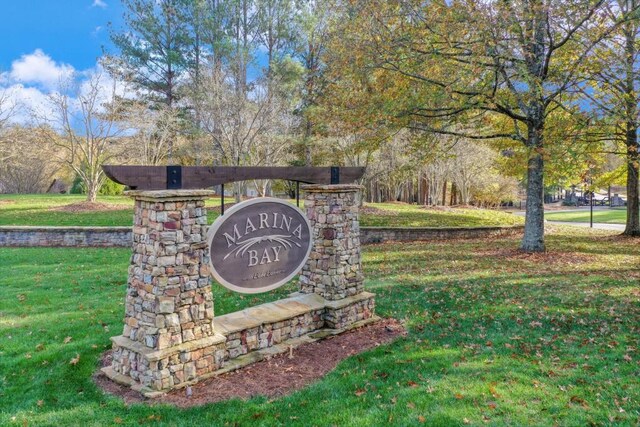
(410, 234)
(26, 236)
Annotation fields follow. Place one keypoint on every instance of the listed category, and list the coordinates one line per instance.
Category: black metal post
(222, 205)
(591, 203)
(335, 175)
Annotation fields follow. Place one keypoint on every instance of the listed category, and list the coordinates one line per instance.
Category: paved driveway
(596, 225)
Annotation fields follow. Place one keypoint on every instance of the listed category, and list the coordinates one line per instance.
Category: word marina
(271, 253)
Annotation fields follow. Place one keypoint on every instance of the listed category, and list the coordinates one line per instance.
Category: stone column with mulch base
(334, 269)
(168, 338)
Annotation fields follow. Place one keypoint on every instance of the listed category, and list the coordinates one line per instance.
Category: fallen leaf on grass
(580, 401)
(75, 360)
(360, 392)
(67, 340)
(493, 392)
(422, 419)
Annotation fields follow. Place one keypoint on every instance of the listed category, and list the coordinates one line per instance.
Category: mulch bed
(89, 207)
(277, 376)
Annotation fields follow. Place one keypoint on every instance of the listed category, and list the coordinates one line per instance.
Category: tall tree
(84, 129)
(275, 28)
(152, 51)
(311, 31)
(466, 61)
(614, 93)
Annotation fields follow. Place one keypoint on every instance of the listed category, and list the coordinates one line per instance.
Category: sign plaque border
(213, 228)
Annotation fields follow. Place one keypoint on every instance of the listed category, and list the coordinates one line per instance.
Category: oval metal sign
(258, 245)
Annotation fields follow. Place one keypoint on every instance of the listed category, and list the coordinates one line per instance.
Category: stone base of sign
(171, 338)
(342, 313)
(241, 338)
(148, 371)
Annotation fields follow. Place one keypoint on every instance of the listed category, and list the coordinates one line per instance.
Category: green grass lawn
(609, 216)
(495, 338)
(44, 209)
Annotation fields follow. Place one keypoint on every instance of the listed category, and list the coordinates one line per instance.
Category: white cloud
(38, 68)
(99, 3)
(28, 103)
(33, 78)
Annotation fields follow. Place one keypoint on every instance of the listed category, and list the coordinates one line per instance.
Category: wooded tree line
(463, 97)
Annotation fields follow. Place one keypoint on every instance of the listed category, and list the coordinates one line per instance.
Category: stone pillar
(334, 269)
(168, 338)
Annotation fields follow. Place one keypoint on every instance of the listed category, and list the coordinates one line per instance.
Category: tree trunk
(444, 194)
(533, 239)
(308, 129)
(237, 190)
(426, 191)
(632, 227)
(92, 191)
(453, 200)
(633, 208)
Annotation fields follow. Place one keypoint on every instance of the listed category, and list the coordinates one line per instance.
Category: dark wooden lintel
(193, 177)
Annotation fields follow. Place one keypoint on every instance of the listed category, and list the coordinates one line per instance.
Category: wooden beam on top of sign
(193, 177)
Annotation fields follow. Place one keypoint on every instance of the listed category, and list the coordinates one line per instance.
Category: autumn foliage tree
(612, 90)
(449, 67)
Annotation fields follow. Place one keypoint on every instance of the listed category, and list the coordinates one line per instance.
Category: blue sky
(46, 42)
(68, 31)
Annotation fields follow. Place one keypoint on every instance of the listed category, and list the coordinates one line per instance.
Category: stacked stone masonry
(169, 304)
(99, 237)
(171, 338)
(412, 234)
(339, 318)
(79, 237)
(269, 334)
(334, 268)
